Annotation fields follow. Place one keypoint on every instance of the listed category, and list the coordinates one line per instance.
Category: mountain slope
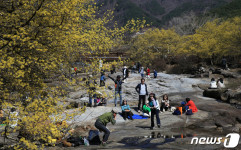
(157, 12)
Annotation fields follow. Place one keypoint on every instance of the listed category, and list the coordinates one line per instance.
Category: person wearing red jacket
(191, 105)
(148, 72)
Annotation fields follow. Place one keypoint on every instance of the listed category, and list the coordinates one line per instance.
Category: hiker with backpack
(141, 89)
(155, 109)
(102, 121)
(118, 82)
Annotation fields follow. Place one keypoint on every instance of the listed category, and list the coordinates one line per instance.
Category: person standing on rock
(155, 109)
(102, 79)
(155, 73)
(141, 89)
(118, 83)
(148, 71)
(91, 83)
(142, 72)
(102, 121)
(125, 72)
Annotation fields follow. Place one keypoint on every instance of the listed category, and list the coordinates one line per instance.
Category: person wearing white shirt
(155, 109)
(141, 89)
(220, 83)
(213, 84)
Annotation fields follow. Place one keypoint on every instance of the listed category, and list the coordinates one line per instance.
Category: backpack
(94, 138)
(189, 112)
(176, 112)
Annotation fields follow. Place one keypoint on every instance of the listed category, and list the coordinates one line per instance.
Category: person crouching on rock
(191, 105)
(155, 109)
(126, 111)
(102, 121)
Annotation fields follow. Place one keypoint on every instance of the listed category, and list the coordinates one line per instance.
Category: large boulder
(235, 96)
(228, 74)
(232, 96)
(212, 93)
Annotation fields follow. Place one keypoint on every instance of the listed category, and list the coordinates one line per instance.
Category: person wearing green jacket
(146, 110)
(102, 121)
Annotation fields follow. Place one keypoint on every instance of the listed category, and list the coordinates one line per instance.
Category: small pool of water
(145, 140)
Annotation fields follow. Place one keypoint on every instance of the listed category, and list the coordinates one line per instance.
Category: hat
(114, 110)
(125, 67)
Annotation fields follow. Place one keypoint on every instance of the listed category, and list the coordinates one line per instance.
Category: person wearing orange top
(191, 105)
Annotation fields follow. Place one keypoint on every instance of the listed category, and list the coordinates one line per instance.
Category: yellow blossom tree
(40, 39)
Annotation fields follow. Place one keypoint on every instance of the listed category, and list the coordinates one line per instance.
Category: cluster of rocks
(226, 95)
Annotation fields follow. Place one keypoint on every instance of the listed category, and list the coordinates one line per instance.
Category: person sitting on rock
(146, 110)
(213, 84)
(220, 83)
(165, 103)
(191, 105)
(126, 111)
(100, 100)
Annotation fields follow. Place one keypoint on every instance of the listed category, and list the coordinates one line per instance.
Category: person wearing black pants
(155, 109)
(126, 111)
(102, 121)
(141, 89)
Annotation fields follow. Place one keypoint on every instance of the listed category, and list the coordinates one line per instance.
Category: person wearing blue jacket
(102, 79)
(126, 110)
(155, 73)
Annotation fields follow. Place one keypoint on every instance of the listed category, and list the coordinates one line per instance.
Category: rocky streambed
(214, 118)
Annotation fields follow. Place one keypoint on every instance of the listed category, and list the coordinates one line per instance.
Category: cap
(114, 110)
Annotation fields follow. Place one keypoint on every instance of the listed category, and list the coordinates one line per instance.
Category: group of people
(218, 84)
(152, 108)
(142, 71)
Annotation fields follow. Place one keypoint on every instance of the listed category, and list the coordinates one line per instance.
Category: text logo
(231, 140)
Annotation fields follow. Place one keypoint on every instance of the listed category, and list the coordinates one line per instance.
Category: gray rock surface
(211, 116)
